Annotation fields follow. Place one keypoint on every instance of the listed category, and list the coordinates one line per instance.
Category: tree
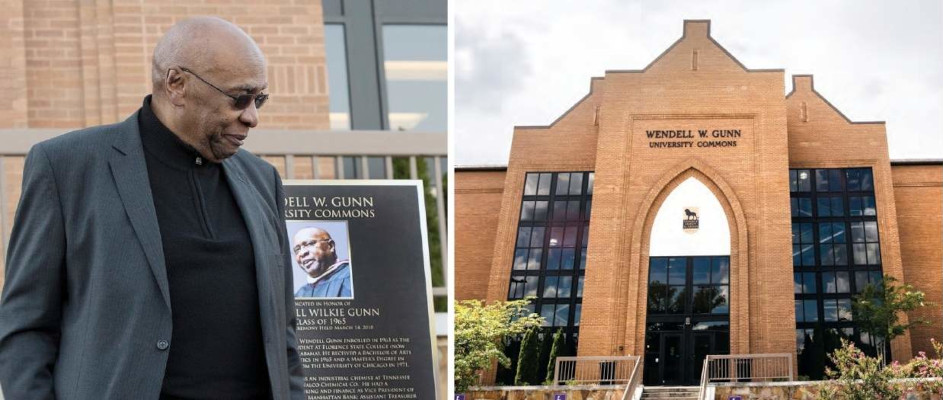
(527, 361)
(480, 331)
(555, 350)
(877, 311)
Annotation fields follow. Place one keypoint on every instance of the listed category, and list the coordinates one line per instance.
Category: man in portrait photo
(327, 275)
(144, 261)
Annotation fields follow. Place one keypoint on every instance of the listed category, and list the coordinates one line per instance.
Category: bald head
(205, 44)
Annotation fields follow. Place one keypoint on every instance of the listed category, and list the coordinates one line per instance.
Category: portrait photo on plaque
(320, 257)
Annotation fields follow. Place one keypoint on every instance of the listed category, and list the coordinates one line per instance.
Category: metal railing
(745, 368)
(595, 370)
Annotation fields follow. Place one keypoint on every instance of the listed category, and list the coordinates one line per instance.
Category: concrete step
(670, 392)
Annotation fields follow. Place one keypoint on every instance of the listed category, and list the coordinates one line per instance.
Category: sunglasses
(242, 100)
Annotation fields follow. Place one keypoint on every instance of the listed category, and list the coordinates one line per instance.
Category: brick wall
(477, 197)
(918, 194)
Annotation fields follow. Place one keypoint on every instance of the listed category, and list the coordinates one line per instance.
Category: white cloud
(525, 62)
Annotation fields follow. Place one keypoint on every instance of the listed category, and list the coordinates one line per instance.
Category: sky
(525, 62)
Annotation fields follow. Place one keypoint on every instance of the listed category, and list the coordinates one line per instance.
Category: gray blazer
(85, 311)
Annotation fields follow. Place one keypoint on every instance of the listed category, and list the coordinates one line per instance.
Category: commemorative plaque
(362, 286)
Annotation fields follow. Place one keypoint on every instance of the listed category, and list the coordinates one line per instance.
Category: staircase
(670, 392)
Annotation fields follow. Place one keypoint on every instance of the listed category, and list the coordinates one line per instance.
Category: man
(147, 259)
(317, 257)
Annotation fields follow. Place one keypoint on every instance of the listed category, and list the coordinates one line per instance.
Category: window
(836, 253)
(550, 247)
(335, 50)
(415, 64)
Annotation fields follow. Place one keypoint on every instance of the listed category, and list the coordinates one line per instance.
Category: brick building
(690, 208)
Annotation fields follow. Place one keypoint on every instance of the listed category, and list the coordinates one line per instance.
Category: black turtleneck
(216, 349)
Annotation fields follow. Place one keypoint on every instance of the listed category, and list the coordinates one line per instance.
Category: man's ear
(331, 242)
(175, 86)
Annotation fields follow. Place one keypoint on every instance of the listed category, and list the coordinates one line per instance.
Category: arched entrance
(688, 285)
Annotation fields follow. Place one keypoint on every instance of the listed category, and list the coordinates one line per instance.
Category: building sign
(559, 396)
(691, 219)
(362, 286)
(685, 138)
(460, 396)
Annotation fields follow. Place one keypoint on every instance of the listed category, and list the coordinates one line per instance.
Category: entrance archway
(688, 285)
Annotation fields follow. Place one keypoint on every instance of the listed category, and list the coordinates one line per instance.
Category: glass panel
(533, 259)
(583, 259)
(530, 288)
(834, 180)
(722, 300)
(805, 207)
(704, 298)
(589, 185)
(556, 236)
(854, 206)
(871, 231)
(857, 232)
(415, 64)
(335, 53)
(792, 180)
(844, 310)
(569, 239)
(794, 206)
(579, 288)
(537, 237)
(874, 253)
(550, 286)
(701, 272)
(566, 261)
(527, 211)
(589, 206)
(553, 259)
(868, 205)
(811, 310)
(867, 182)
(576, 183)
(799, 315)
(676, 271)
(838, 232)
(821, 180)
(523, 236)
(860, 254)
(838, 207)
(841, 254)
(573, 210)
(576, 314)
(676, 297)
(843, 281)
(520, 259)
(563, 184)
(808, 255)
(657, 298)
(658, 270)
(825, 254)
(828, 282)
(797, 283)
(861, 280)
(825, 232)
(564, 286)
(720, 270)
(830, 308)
(806, 233)
(563, 315)
(543, 188)
(824, 206)
(530, 184)
(540, 210)
(854, 180)
(796, 256)
(804, 181)
(546, 311)
(808, 281)
(559, 210)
